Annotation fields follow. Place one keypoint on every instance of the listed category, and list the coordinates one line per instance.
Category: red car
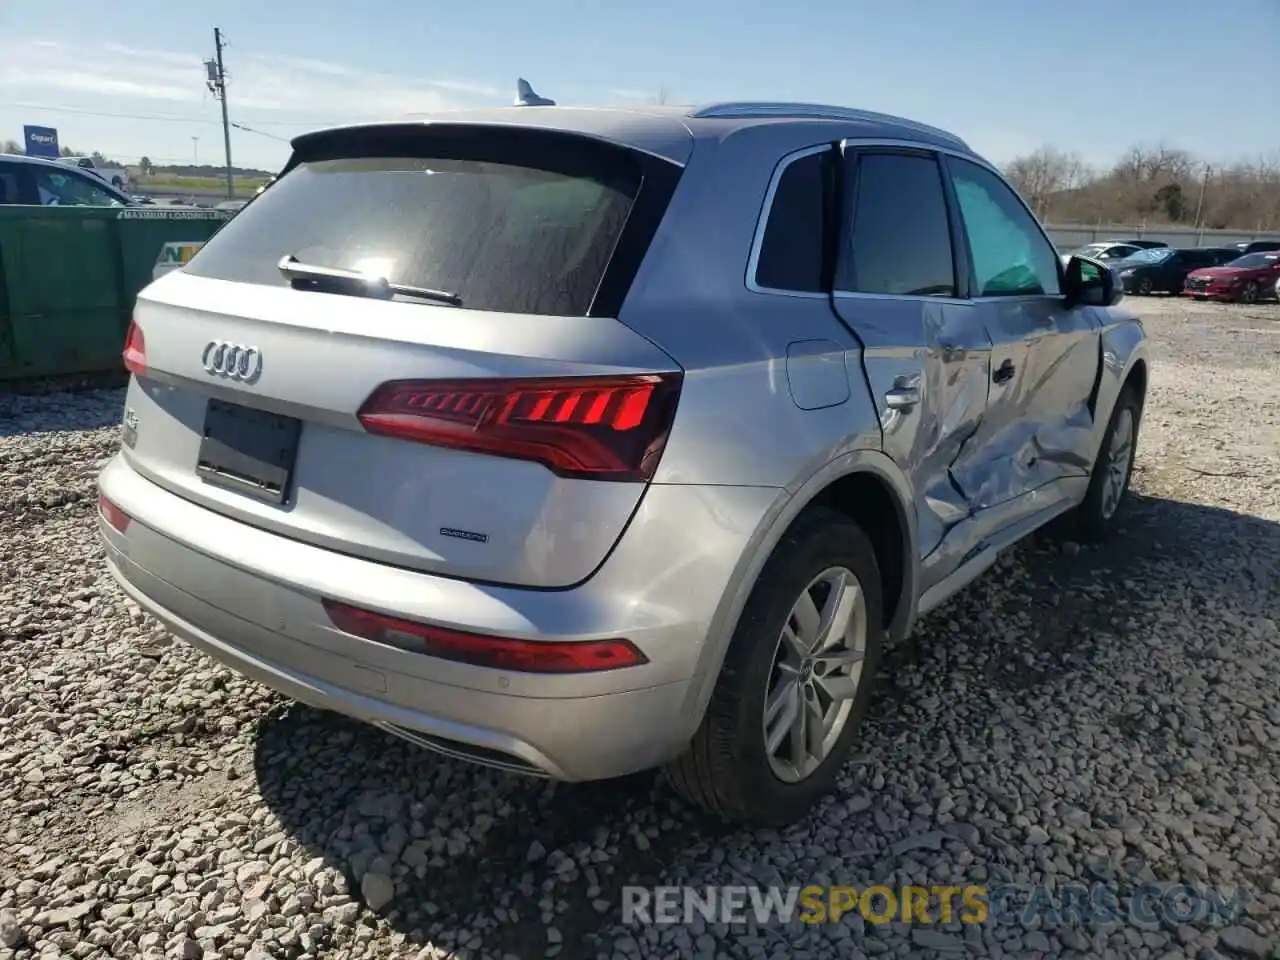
(1252, 276)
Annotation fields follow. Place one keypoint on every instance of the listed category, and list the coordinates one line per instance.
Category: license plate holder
(251, 452)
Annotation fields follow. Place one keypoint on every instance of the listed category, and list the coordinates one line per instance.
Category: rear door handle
(1004, 373)
(902, 398)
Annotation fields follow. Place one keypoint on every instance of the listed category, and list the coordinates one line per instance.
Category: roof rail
(815, 111)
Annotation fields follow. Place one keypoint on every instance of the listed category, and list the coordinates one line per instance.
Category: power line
(167, 118)
(104, 113)
(241, 126)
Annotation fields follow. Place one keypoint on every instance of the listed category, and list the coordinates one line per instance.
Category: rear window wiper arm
(365, 285)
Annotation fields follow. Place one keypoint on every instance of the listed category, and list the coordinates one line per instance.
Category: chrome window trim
(762, 222)
(922, 297)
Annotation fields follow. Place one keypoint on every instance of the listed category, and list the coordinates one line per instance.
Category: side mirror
(1090, 283)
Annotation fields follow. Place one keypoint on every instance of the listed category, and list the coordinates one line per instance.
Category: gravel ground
(1078, 715)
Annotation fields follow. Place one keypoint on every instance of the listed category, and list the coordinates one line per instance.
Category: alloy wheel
(1119, 459)
(816, 674)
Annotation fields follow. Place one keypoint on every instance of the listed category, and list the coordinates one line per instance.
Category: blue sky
(1008, 76)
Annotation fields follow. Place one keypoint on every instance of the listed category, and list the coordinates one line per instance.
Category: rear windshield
(500, 236)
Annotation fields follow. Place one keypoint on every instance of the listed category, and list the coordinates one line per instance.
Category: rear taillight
(135, 350)
(604, 428)
(498, 653)
(118, 519)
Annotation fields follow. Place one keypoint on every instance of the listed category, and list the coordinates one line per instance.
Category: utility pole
(1204, 184)
(217, 82)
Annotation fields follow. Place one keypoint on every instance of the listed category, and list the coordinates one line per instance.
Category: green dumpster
(69, 277)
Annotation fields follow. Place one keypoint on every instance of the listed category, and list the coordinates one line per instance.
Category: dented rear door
(926, 353)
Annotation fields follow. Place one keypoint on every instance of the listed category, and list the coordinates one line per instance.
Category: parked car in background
(1102, 251)
(38, 182)
(117, 176)
(1141, 244)
(1255, 246)
(1247, 279)
(1164, 269)
(589, 453)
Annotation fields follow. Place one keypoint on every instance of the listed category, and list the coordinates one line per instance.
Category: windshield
(1154, 255)
(1088, 250)
(1253, 260)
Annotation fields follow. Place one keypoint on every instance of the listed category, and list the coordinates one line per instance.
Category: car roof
(669, 131)
(38, 161)
(61, 168)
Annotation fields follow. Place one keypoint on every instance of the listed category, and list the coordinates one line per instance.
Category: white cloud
(129, 101)
(292, 88)
(82, 81)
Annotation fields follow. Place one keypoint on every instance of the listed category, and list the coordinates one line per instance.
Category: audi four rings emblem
(235, 361)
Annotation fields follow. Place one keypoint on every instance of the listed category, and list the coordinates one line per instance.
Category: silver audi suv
(576, 442)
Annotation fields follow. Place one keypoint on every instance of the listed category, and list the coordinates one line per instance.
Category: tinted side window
(1011, 257)
(792, 246)
(900, 241)
(72, 190)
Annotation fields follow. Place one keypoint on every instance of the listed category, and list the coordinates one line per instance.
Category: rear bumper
(252, 600)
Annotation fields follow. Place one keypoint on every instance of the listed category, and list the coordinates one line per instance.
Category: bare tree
(1041, 176)
(1157, 184)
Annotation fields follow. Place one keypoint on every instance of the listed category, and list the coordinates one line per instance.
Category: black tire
(1144, 287)
(1249, 293)
(1090, 521)
(725, 769)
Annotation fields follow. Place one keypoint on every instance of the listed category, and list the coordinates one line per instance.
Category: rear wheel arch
(864, 486)
(870, 502)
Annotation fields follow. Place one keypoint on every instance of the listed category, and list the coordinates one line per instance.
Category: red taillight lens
(135, 350)
(498, 653)
(113, 514)
(606, 428)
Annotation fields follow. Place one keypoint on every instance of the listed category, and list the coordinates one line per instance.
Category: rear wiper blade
(360, 283)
